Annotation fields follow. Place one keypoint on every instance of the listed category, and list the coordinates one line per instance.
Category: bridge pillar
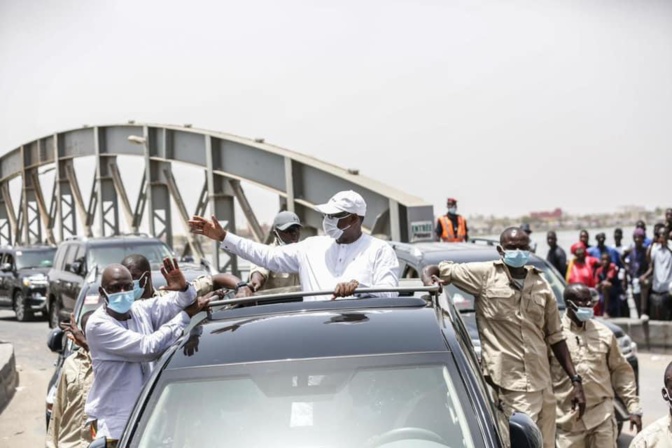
(221, 204)
(8, 224)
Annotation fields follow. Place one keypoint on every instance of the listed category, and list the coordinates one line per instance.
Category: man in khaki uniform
(659, 433)
(518, 320)
(67, 427)
(603, 369)
(287, 230)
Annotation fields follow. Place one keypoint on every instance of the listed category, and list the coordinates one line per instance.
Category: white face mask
(330, 227)
(277, 236)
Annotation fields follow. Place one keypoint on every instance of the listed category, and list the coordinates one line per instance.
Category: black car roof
(115, 240)
(322, 329)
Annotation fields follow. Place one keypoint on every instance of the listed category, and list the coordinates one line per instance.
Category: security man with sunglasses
(603, 369)
(342, 260)
(125, 336)
(287, 230)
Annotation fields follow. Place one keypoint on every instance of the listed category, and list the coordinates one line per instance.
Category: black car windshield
(465, 302)
(35, 258)
(106, 255)
(309, 404)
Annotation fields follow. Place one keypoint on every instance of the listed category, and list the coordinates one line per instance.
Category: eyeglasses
(338, 215)
(118, 287)
(291, 230)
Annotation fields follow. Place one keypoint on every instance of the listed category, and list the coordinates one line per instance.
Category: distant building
(554, 215)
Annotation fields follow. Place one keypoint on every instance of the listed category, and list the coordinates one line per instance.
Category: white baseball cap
(285, 220)
(344, 201)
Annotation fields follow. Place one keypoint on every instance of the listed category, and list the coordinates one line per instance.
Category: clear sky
(510, 106)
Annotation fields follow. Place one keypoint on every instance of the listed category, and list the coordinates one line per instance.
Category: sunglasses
(338, 215)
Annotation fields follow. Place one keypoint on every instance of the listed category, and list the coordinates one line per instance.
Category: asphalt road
(22, 423)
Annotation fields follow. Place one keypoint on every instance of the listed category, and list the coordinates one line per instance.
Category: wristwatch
(577, 379)
(243, 285)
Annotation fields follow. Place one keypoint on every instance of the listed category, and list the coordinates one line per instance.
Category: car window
(557, 285)
(69, 256)
(35, 258)
(473, 361)
(311, 407)
(409, 272)
(106, 255)
(8, 258)
(60, 256)
(462, 300)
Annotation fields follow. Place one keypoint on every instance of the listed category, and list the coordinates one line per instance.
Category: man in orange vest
(451, 227)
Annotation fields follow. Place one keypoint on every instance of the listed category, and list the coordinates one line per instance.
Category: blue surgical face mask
(138, 290)
(120, 302)
(452, 210)
(582, 313)
(516, 258)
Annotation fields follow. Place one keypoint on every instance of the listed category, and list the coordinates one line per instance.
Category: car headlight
(35, 281)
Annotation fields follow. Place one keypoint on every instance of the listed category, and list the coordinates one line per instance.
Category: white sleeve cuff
(184, 319)
(189, 295)
(230, 242)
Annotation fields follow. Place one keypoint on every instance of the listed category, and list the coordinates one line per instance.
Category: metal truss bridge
(299, 181)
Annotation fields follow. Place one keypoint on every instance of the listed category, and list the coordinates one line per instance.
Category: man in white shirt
(342, 260)
(125, 336)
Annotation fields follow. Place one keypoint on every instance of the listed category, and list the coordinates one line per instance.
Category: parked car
(280, 372)
(23, 279)
(89, 300)
(414, 257)
(76, 257)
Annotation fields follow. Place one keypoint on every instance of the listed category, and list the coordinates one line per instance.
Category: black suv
(367, 372)
(414, 257)
(23, 279)
(77, 258)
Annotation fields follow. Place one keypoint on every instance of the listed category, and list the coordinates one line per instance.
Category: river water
(568, 237)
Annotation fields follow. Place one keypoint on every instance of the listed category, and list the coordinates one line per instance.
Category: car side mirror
(100, 442)
(6, 267)
(523, 432)
(76, 267)
(55, 340)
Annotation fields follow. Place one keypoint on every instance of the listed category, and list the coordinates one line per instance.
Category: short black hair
(137, 261)
(573, 290)
(508, 231)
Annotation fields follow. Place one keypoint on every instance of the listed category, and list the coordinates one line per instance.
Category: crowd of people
(642, 270)
(563, 371)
